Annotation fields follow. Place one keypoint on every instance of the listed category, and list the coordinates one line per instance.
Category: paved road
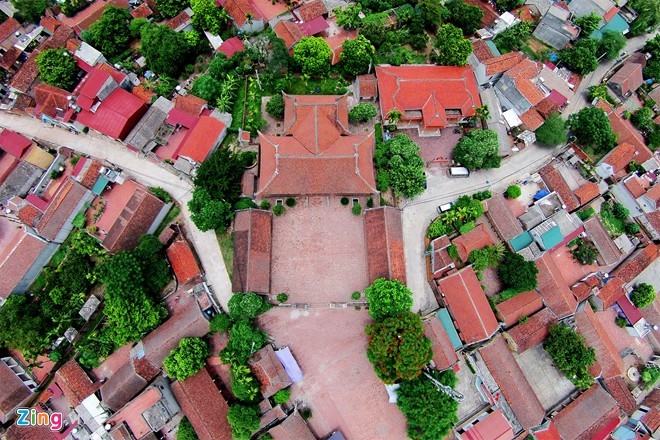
(144, 171)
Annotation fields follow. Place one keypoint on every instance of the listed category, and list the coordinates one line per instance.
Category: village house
(555, 28)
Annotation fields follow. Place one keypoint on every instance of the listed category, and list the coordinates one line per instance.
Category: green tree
(111, 34)
(187, 359)
(513, 192)
(166, 51)
(57, 68)
(650, 375)
(433, 13)
(208, 16)
(136, 25)
(221, 174)
(599, 91)
(570, 354)
(220, 323)
(388, 299)
(467, 17)
(431, 413)
(155, 270)
(312, 55)
(186, 431)
(478, 149)
(517, 273)
(362, 112)
(357, 56)
(23, 326)
(71, 7)
(643, 295)
(397, 348)
(513, 38)
(247, 306)
(585, 253)
(509, 5)
(221, 65)
(588, 23)
(243, 420)
(611, 44)
(452, 48)
(275, 107)
(591, 128)
(243, 383)
(581, 58)
(399, 159)
(643, 118)
(171, 8)
(552, 132)
(31, 10)
(348, 17)
(244, 341)
(207, 87)
(648, 17)
(374, 29)
(209, 214)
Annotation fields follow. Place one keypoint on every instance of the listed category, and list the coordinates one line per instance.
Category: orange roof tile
(368, 86)
(444, 355)
(553, 288)
(619, 390)
(610, 14)
(532, 119)
(311, 10)
(184, 264)
(252, 251)
(50, 100)
(384, 236)
(8, 27)
(522, 74)
(557, 183)
(289, 32)
(482, 51)
(534, 331)
(29, 214)
(50, 23)
(636, 264)
(589, 326)
(190, 104)
(74, 383)
(502, 63)
(143, 93)
(179, 21)
(142, 11)
(477, 238)
(587, 192)
(626, 133)
(202, 139)
(523, 304)
(583, 418)
(239, 10)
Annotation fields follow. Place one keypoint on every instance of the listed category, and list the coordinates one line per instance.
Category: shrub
(523, 319)
(187, 359)
(650, 375)
(357, 209)
(186, 431)
(243, 383)
(370, 202)
(56, 173)
(220, 323)
(306, 413)
(279, 210)
(282, 297)
(356, 296)
(243, 420)
(362, 112)
(275, 107)
(621, 322)
(344, 201)
(387, 299)
(643, 295)
(490, 256)
(585, 253)
(513, 192)
(290, 202)
(244, 203)
(265, 205)
(244, 340)
(631, 228)
(570, 354)
(282, 396)
(160, 193)
(452, 250)
(467, 227)
(515, 272)
(482, 195)
(246, 306)
(619, 211)
(585, 213)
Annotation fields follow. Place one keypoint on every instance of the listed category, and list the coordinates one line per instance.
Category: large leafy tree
(187, 359)
(643, 118)
(643, 295)
(111, 34)
(244, 420)
(467, 17)
(246, 306)
(591, 128)
(208, 16)
(433, 13)
(207, 88)
(170, 8)
(244, 341)
(186, 431)
(71, 7)
(517, 273)
(312, 55)
(57, 68)
(552, 132)
(166, 51)
(611, 44)
(209, 214)
(570, 354)
(398, 348)
(348, 17)
(387, 299)
(452, 48)
(31, 10)
(588, 23)
(243, 383)
(357, 56)
(478, 149)
(23, 326)
(648, 17)
(431, 413)
(581, 58)
(155, 271)
(400, 165)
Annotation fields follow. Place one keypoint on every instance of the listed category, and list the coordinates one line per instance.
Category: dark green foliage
(111, 34)
(245, 306)
(478, 149)
(31, 10)
(23, 326)
(517, 273)
(57, 68)
(150, 253)
(466, 209)
(588, 23)
(591, 128)
(398, 348)
(509, 5)
(282, 297)
(648, 17)
(620, 211)
(344, 201)
(599, 91)
(356, 209)
(265, 205)
(581, 58)
(490, 256)
(136, 25)
(620, 322)
(170, 8)
(312, 55)
(653, 137)
(290, 202)
(430, 412)
(482, 195)
(570, 354)
(243, 383)
(433, 13)
(452, 48)
(585, 252)
(221, 66)
(611, 44)
(650, 375)
(282, 396)
(552, 132)
(208, 16)
(387, 299)
(467, 17)
(349, 17)
(513, 38)
(465, 228)
(244, 203)
(279, 210)
(71, 7)
(399, 160)
(357, 56)
(643, 295)
(362, 112)
(513, 192)
(207, 88)
(93, 347)
(243, 420)
(631, 228)
(187, 359)
(221, 323)
(186, 431)
(356, 296)
(166, 51)
(275, 106)
(585, 213)
(244, 340)
(643, 119)
(160, 193)
(370, 202)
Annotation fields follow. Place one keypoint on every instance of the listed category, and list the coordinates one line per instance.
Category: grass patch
(174, 212)
(506, 294)
(323, 86)
(584, 214)
(226, 242)
(614, 226)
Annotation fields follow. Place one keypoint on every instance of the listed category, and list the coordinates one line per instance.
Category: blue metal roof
(521, 241)
(617, 23)
(551, 238)
(448, 325)
(100, 185)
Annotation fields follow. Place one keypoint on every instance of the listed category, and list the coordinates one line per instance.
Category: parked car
(444, 208)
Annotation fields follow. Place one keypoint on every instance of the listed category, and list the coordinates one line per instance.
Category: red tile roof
(502, 218)
(89, 172)
(202, 403)
(230, 46)
(547, 431)
(522, 75)
(608, 252)
(492, 427)
(183, 262)
(548, 106)
(74, 383)
(620, 157)
(142, 11)
(336, 43)
(15, 432)
(587, 193)
(444, 355)
(8, 27)
(512, 382)
(269, 371)
(490, 15)
(629, 77)
(311, 10)
(143, 93)
(10, 57)
(533, 332)
(190, 104)
(619, 390)
(477, 238)
(238, 10)
(50, 23)
(556, 182)
(611, 292)
(294, 427)
(502, 63)
(654, 194)
(523, 304)
(368, 86)
(289, 32)
(202, 140)
(132, 416)
(587, 415)
(553, 288)
(482, 51)
(652, 418)
(13, 391)
(60, 208)
(532, 119)
(14, 143)
(626, 132)
(16, 260)
(84, 19)
(639, 261)
(314, 26)
(467, 303)
(384, 234)
(252, 251)
(433, 90)
(596, 336)
(29, 214)
(317, 154)
(180, 21)
(49, 99)
(116, 115)
(610, 14)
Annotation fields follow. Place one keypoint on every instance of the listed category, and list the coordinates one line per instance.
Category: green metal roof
(617, 23)
(448, 325)
(99, 186)
(551, 238)
(521, 241)
(493, 48)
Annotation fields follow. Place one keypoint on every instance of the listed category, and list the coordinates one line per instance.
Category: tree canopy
(431, 413)
(31, 10)
(348, 17)
(591, 128)
(467, 17)
(643, 295)
(187, 359)
(478, 149)
(517, 273)
(357, 56)
(208, 16)
(166, 51)
(398, 348)
(312, 55)
(588, 23)
(246, 306)
(452, 48)
(611, 44)
(648, 17)
(207, 87)
(57, 68)
(643, 118)
(552, 132)
(387, 299)
(433, 13)
(171, 8)
(23, 326)
(244, 420)
(275, 107)
(581, 58)
(186, 431)
(570, 354)
(362, 112)
(244, 341)
(209, 214)
(400, 166)
(111, 34)
(71, 7)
